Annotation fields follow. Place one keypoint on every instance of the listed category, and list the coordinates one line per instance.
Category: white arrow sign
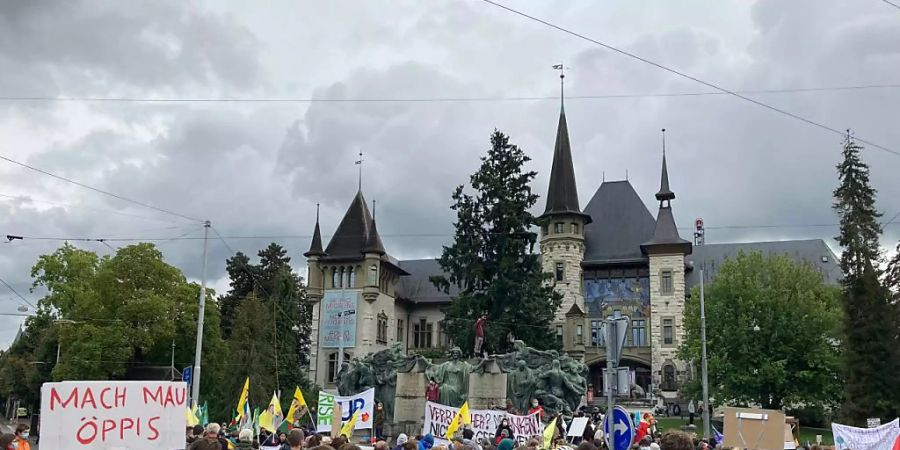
(620, 427)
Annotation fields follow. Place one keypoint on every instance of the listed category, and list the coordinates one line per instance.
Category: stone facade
(566, 248)
(666, 305)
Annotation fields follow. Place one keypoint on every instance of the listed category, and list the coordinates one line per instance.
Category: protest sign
(109, 415)
(349, 404)
(576, 428)
(484, 423)
(883, 437)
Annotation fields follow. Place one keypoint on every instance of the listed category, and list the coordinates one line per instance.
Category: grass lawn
(806, 433)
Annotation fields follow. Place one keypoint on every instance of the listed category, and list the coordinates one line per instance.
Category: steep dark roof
(417, 287)
(664, 192)
(621, 224)
(710, 257)
(665, 236)
(562, 194)
(373, 242)
(315, 247)
(351, 235)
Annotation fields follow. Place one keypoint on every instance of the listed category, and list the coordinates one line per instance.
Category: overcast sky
(259, 168)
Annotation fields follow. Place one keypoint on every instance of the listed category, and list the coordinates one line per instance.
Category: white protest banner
(484, 423)
(113, 415)
(879, 438)
(364, 400)
(576, 428)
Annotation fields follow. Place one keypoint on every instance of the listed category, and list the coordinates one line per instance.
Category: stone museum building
(612, 257)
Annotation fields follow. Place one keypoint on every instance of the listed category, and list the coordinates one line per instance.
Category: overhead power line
(895, 5)
(690, 77)
(101, 191)
(14, 291)
(92, 99)
(387, 235)
(25, 198)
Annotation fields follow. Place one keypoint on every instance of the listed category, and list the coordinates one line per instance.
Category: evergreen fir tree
(492, 259)
(870, 347)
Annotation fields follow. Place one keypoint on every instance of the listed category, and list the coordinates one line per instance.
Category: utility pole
(706, 404)
(173, 360)
(195, 376)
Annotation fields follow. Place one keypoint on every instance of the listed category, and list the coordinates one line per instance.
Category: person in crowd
(536, 408)
(6, 441)
(654, 446)
(427, 442)
(504, 431)
(479, 333)
(432, 391)
(210, 439)
(675, 440)
(691, 412)
(294, 440)
(21, 441)
(339, 441)
(381, 445)
(401, 439)
(588, 434)
(245, 439)
(586, 445)
(379, 420)
(506, 444)
(510, 408)
(644, 428)
(644, 443)
(411, 445)
(282, 438)
(349, 446)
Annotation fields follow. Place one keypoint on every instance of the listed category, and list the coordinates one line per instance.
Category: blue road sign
(187, 374)
(621, 434)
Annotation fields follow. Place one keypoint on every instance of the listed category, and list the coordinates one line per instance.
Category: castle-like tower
(666, 252)
(562, 226)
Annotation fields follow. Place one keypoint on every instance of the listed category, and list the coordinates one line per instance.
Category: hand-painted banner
(884, 437)
(102, 415)
(339, 319)
(364, 400)
(484, 423)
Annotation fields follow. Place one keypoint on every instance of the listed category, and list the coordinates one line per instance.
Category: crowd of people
(17, 440)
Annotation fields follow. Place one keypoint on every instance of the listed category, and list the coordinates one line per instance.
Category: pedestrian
(6, 441)
(210, 440)
(245, 439)
(294, 440)
(506, 444)
(379, 420)
(433, 391)
(675, 440)
(401, 439)
(21, 441)
(691, 411)
(479, 333)
(503, 428)
(588, 434)
(381, 445)
(427, 442)
(536, 408)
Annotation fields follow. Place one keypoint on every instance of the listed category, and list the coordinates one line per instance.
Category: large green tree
(772, 330)
(111, 318)
(268, 325)
(870, 320)
(492, 259)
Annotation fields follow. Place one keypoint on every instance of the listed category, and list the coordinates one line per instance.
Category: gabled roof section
(418, 288)
(562, 194)
(621, 224)
(352, 234)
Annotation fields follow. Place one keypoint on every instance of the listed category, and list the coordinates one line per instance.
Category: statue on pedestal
(376, 370)
(561, 382)
(453, 377)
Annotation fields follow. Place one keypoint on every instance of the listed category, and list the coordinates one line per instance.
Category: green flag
(204, 414)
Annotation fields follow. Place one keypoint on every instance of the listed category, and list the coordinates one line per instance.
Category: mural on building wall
(629, 295)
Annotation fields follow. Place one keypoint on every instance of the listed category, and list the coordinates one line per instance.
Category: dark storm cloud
(259, 169)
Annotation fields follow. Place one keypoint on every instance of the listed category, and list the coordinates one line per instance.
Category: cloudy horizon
(437, 78)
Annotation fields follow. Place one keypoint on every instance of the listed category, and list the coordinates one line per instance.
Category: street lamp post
(706, 405)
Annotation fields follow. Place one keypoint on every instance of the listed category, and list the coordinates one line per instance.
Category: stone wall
(409, 404)
(666, 306)
(487, 389)
(569, 250)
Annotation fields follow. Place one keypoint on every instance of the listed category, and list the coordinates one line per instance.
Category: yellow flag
(191, 417)
(242, 400)
(462, 417)
(272, 414)
(297, 402)
(347, 429)
(549, 432)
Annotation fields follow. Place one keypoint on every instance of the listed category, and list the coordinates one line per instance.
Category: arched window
(335, 280)
(668, 383)
(352, 277)
(345, 277)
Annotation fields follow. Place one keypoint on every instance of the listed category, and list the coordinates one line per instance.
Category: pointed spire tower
(314, 278)
(562, 225)
(666, 253)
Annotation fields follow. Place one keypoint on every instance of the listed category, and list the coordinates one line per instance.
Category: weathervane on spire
(664, 141)
(562, 77)
(359, 162)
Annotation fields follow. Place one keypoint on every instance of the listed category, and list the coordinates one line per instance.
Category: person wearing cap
(643, 429)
